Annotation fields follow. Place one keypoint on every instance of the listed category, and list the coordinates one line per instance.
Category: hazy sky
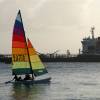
(50, 24)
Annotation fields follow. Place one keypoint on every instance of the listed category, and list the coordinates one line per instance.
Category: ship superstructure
(91, 45)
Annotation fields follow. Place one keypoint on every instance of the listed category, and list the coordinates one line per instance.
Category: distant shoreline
(58, 58)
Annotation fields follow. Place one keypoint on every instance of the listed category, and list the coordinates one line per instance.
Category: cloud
(2, 1)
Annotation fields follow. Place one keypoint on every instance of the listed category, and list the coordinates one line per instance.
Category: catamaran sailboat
(25, 59)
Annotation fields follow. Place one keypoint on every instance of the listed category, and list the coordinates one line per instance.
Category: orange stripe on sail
(19, 51)
(32, 51)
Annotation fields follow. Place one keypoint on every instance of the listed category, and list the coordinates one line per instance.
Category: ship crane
(52, 54)
(55, 52)
(92, 32)
(49, 53)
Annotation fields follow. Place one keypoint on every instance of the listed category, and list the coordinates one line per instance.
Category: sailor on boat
(27, 77)
(16, 78)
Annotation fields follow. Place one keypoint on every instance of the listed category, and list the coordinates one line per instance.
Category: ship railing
(58, 55)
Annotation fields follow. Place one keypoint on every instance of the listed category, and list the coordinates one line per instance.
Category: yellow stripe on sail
(37, 65)
(36, 62)
(17, 65)
(34, 58)
(20, 60)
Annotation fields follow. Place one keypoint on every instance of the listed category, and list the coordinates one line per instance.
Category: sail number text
(19, 58)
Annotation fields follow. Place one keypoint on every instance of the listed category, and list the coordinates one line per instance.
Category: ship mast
(92, 32)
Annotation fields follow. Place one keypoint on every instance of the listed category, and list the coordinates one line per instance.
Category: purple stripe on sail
(18, 27)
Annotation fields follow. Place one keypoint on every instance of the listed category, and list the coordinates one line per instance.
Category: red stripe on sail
(29, 44)
(16, 44)
(18, 38)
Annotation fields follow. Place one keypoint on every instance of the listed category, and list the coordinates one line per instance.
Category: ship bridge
(91, 45)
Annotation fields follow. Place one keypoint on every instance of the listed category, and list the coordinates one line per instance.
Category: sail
(36, 64)
(20, 60)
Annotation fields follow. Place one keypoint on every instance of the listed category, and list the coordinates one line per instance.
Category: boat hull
(42, 81)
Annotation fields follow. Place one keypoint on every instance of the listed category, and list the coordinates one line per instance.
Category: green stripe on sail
(35, 58)
(21, 71)
(39, 72)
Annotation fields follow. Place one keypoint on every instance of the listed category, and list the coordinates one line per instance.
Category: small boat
(43, 81)
(25, 59)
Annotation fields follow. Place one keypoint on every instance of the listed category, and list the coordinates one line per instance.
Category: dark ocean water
(70, 81)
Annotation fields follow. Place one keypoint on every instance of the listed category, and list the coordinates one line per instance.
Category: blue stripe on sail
(18, 27)
(18, 24)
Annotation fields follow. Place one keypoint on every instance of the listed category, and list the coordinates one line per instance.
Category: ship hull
(77, 58)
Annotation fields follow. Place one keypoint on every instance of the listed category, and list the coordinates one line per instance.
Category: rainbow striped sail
(36, 64)
(20, 58)
(25, 59)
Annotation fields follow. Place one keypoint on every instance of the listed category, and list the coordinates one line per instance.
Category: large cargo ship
(90, 52)
(90, 48)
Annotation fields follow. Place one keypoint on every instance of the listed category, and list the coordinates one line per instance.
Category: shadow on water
(29, 92)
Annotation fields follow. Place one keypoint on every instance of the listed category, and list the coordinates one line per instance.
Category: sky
(50, 24)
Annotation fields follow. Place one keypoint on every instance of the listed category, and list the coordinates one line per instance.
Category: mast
(26, 46)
